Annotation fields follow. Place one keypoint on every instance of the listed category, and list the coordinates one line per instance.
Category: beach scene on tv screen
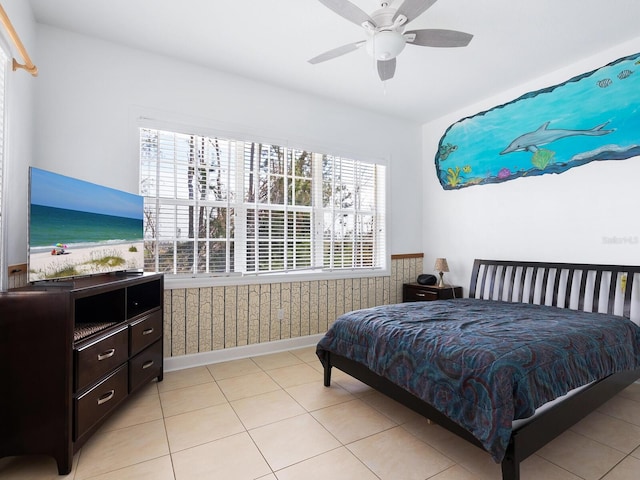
(79, 228)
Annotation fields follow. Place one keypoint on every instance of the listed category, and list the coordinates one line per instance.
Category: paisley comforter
(485, 363)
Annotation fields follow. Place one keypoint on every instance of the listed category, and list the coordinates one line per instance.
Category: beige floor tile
(234, 457)
(293, 440)
(295, 375)
(306, 354)
(200, 426)
(338, 464)
(351, 421)
(182, 400)
(353, 386)
(581, 455)
(156, 469)
(266, 408)
(276, 360)
(271, 476)
(537, 468)
(622, 408)
(444, 441)
(234, 368)
(184, 378)
(455, 473)
(135, 410)
(392, 409)
(636, 453)
(611, 431)
(632, 392)
(314, 396)
(628, 469)
(121, 448)
(247, 386)
(395, 454)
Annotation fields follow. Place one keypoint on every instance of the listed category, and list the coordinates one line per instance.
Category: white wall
(90, 93)
(567, 217)
(19, 103)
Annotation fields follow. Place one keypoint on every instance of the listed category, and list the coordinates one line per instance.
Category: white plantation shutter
(219, 207)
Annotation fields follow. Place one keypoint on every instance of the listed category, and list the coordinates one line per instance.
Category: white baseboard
(236, 353)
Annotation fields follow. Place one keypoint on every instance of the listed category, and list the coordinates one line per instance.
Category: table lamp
(441, 267)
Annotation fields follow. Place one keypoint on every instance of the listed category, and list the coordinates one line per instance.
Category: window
(4, 61)
(216, 206)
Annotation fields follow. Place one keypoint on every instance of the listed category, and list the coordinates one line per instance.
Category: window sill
(183, 281)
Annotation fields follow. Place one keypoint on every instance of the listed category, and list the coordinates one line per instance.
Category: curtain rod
(28, 64)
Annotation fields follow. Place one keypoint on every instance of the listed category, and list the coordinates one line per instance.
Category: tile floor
(270, 418)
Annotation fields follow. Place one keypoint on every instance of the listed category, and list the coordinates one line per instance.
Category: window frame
(4, 66)
(197, 280)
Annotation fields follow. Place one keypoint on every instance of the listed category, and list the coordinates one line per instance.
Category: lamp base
(441, 282)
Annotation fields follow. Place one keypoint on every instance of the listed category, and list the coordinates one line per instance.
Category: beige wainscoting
(209, 319)
(198, 320)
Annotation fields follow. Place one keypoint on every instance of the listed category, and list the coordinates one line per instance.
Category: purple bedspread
(484, 363)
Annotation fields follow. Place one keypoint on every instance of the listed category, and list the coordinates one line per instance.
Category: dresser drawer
(95, 403)
(97, 358)
(145, 366)
(418, 294)
(145, 331)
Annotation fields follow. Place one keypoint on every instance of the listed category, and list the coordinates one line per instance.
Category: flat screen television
(78, 228)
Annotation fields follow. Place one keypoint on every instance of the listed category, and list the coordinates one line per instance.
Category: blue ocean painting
(69, 211)
(594, 116)
(51, 225)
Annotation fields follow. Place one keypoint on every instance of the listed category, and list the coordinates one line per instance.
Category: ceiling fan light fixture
(385, 45)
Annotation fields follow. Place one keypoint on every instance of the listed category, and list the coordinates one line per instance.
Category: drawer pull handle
(147, 364)
(148, 331)
(106, 354)
(420, 295)
(106, 397)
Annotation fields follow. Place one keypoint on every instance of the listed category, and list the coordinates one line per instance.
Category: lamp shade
(441, 265)
(385, 45)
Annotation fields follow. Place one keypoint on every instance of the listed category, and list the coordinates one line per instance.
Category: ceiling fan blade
(413, 8)
(336, 52)
(386, 69)
(348, 10)
(434, 37)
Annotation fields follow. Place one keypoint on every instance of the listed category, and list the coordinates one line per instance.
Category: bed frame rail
(579, 286)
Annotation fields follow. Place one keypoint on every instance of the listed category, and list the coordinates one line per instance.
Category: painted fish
(624, 74)
(604, 83)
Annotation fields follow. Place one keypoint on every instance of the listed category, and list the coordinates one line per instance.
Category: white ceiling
(514, 40)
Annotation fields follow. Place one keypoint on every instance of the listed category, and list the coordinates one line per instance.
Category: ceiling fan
(386, 35)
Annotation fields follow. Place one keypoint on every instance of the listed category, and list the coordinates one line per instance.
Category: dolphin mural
(532, 140)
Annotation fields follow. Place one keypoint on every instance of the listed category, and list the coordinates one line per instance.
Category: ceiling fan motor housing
(386, 41)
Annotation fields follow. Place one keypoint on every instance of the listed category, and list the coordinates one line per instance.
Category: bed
(534, 349)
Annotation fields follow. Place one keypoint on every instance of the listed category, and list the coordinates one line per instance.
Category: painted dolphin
(532, 140)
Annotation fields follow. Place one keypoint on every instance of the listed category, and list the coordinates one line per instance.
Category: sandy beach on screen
(44, 265)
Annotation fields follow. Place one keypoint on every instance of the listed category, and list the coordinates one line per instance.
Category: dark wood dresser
(70, 353)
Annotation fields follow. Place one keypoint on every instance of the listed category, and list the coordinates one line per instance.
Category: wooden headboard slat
(597, 286)
(523, 280)
(627, 294)
(584, 279)
(613, 281)
(532, 290)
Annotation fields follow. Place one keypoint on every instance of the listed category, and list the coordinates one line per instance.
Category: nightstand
(414, 292)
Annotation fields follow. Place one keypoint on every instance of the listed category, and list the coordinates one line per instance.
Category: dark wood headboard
(580, 286)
